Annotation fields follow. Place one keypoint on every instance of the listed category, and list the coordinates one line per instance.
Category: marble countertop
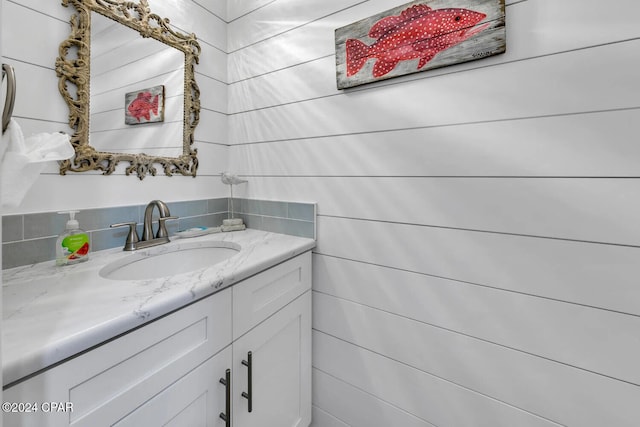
(51, 313)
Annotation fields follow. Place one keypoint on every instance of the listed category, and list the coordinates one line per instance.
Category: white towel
(25, 158)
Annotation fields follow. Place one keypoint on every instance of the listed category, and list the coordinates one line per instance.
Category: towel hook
(11, 95)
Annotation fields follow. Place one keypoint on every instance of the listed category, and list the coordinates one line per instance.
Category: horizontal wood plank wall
(478, 241)
(34, 29)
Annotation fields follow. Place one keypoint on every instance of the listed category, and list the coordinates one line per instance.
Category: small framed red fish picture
(418, 36)
(144, 106)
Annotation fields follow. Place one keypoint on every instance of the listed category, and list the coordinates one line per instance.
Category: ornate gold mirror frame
(74, 70)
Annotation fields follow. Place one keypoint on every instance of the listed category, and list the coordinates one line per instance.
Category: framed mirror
(129, 81)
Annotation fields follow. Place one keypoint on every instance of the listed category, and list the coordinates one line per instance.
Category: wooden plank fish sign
(418, 36)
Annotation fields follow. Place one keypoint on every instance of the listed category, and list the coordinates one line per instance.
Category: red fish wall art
(144, 106)
(418, 36)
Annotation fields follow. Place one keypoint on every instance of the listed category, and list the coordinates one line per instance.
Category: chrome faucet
(148, 238)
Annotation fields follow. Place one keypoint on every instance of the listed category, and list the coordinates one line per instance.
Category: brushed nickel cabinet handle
(226, 415)
(249, 393)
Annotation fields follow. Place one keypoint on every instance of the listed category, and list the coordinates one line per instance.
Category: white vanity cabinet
(106, 384)
(169, 371)
(272, 347)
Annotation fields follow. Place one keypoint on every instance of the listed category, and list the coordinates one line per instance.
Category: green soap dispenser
(72, 246)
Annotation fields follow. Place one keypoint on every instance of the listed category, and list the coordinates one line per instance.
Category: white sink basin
(163, 261)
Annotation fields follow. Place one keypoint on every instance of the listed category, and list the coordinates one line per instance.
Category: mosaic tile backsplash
(30, 238)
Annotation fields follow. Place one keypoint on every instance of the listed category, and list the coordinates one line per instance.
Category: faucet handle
(132, 237)
(162, 229)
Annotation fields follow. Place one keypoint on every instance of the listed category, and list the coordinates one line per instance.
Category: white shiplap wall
(478, 240)
(32, 31)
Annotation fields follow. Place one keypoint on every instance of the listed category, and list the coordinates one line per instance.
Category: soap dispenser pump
(72, 246)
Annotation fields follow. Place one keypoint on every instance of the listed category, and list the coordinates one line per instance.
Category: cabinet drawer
(258, 297)
(103, 384)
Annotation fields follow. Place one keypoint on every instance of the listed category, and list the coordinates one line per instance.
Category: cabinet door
(195, 400)
(280, 369)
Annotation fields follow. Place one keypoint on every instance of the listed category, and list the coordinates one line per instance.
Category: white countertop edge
(51, 314)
